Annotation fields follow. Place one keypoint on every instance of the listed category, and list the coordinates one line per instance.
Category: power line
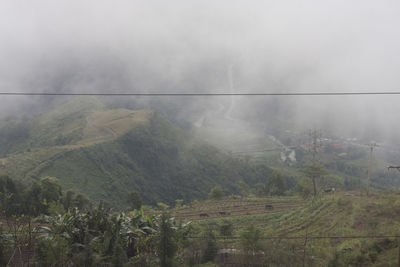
(308, 237)
(200, 94)
(264, 150)
(256, 151)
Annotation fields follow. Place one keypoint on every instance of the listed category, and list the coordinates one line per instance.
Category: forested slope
(106, 153)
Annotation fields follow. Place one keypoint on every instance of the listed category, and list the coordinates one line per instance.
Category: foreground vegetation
(43, 226)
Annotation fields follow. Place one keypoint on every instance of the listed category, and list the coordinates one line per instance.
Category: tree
(304, 187)
(216, 193)
(33, 200)
(211, 247)
(251, 243)
(134, 200)
(226, 228)
(276, 184)
(82, 202)
(71, 200)
(67, 199)
(51, 189)
(167, 246)
(10, 196)
(314, 171)
(260, 189)
(119, 256)
(250, 239)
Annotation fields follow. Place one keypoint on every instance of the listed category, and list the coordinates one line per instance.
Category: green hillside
(106, 153)
(342, 229)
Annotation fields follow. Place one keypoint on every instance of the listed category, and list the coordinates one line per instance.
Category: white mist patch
(288, 156)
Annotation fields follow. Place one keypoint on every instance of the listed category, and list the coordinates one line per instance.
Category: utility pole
(305, 248)
(315, 143)
(371, 147)
(314, 149)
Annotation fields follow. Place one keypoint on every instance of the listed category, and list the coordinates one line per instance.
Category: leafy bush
(305, 187)
(211, 248)
(216, 193)
(251, 239)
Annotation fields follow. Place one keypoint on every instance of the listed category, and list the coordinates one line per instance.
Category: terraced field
(236, 207)
(346, 229)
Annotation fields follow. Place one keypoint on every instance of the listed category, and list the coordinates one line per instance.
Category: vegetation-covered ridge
(99, 152)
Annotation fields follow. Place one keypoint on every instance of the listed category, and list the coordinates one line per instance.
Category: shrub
(216, 193)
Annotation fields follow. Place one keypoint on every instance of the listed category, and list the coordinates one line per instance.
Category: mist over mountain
(206, 47)
(187, 46)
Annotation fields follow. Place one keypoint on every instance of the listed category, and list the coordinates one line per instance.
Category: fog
(213, 47)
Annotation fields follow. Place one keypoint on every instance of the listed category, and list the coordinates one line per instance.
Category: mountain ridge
(106, 153)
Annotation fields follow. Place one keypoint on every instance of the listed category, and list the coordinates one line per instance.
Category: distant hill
(106, 153)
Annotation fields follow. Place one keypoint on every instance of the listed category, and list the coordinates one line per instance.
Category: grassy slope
(345, 214)
(76, 124)
(158, 160)
(107, 153)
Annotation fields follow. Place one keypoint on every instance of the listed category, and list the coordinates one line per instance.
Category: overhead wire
(308, 237)
(199, 94)
(263, 150)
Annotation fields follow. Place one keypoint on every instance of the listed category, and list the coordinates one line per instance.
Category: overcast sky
(182, 46)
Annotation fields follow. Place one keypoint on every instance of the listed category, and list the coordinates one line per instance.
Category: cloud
(188, 46)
